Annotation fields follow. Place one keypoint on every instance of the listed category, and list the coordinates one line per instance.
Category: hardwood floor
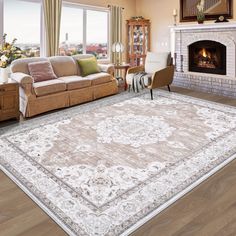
(209, 209)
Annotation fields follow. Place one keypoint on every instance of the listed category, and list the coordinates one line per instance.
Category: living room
(117, 117)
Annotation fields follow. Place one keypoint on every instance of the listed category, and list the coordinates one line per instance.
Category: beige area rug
(105, 168)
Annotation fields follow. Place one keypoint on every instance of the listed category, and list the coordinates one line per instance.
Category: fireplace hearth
(207, 57)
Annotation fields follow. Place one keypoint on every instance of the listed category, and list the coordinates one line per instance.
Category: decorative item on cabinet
(138, 40)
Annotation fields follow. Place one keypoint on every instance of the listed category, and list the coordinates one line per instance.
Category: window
(84, 30)
(22, 20)
(71, 34)
(97, 34)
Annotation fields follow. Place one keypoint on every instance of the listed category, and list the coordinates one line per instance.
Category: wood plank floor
(209, 209)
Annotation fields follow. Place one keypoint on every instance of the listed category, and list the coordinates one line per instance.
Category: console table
(9, 101)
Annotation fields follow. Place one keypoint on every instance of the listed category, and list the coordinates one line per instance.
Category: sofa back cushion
(41, 71)
(156, 61)
(21, 65)
(88, 66)
(64, 66)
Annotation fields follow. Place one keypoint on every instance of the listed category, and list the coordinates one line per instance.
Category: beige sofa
(67, 90)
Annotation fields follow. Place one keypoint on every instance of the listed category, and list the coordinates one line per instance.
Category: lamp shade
(117, 47)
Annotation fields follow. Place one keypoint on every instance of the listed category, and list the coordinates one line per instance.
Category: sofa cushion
(49, 87)
(64, 66)
(88, 66)
(41, 71)
(75, 82)
(99, 78)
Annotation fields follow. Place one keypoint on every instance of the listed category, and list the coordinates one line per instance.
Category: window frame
(92, 8)
(42, 29)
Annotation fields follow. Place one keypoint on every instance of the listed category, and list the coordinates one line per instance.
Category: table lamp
(117, 48)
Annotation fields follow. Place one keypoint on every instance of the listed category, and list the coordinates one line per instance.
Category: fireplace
(207, 57)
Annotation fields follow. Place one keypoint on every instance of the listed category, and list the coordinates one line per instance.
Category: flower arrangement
(8, 52)
(200, 11)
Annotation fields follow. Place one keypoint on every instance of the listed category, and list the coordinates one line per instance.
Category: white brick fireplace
(184, 35)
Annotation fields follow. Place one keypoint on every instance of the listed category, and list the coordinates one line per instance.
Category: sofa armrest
(108, 68)
(135, 69)
(25, 81)
(22, 78)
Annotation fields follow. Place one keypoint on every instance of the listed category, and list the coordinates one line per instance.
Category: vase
(4, 74)
(200, 21)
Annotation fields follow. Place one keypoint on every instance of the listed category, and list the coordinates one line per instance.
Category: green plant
(8, 52)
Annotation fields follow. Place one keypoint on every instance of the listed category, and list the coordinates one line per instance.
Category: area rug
(105, 168)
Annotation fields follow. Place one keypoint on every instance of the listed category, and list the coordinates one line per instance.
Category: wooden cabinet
(9, 101)
(138, 41)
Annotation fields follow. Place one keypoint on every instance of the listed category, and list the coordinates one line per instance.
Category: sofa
(68, 89)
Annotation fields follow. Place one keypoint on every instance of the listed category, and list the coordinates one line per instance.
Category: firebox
(207, 57)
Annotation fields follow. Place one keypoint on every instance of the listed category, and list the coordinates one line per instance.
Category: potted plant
(8, 53)
(200, 12)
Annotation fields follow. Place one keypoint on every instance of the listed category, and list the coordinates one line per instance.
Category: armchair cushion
(156, 61)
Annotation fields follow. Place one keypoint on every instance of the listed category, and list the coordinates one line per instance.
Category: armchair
(159, 71)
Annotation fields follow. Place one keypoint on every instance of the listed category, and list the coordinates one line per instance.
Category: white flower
(4, 58)
(200, 6)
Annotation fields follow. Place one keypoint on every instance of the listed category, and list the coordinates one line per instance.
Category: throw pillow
(41, 71)
(88, 66)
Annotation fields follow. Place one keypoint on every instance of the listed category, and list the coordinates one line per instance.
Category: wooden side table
(124, 67)
(9, 101)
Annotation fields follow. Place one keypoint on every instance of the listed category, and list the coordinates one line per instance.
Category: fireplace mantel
(185, 27)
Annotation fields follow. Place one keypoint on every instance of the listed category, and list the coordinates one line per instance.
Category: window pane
(71, 35)
(97, 33)
(22, 21)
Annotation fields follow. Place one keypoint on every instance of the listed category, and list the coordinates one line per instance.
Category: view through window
(97, 33)
(22, 21)
(81, 34)
(71, 34)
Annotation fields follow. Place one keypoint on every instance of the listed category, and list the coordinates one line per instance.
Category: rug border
(37, 201)
(178, 196)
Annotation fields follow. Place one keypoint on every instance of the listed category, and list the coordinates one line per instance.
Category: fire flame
(204, 52)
